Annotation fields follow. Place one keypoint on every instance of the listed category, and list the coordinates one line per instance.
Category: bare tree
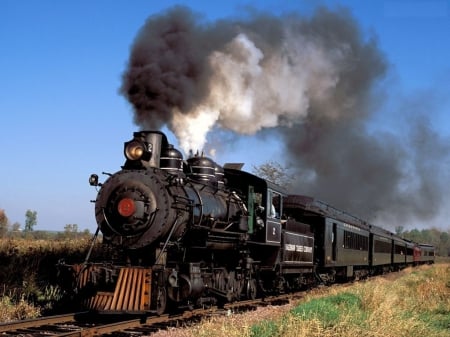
(274, 172)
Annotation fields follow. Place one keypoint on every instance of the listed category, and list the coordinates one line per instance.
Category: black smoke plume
(309, 80)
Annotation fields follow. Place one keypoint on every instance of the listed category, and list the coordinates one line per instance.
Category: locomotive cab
(283, 246)
(264, 203)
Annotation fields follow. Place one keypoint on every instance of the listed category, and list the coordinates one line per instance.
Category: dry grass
(28, 275)
(415, 303)
(11, 310)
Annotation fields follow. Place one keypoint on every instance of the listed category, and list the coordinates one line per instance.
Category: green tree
(399, 230)
(71, 228)
(434, 236)
(416, 236)
(70, 231)
(3, 223)
(30, 220)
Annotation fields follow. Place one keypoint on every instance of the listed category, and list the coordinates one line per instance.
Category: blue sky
(62, 117)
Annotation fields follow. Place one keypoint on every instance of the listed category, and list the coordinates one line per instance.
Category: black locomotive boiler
(191, 233)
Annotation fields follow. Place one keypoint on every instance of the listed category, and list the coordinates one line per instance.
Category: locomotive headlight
(134, 150)
(93, 180)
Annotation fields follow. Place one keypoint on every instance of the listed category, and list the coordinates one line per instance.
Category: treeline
(433, 236)
(15, 231)
(47, 235)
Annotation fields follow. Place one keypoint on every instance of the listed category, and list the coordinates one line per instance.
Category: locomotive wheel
(251, 289)
(232, 288)
(161, 301)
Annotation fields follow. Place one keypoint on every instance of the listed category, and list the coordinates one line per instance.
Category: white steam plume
(250, 90)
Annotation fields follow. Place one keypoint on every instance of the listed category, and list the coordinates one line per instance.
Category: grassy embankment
(414, 303)
(28, 274)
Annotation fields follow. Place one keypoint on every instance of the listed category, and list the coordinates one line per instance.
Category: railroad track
(83, 324)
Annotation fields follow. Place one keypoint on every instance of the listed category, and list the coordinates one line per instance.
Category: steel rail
(103, 329)
(36, 322)
(136, 323)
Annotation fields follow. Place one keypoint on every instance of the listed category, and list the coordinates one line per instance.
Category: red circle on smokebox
(126, 207)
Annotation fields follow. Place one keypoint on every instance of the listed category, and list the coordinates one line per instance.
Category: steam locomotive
(192, 233)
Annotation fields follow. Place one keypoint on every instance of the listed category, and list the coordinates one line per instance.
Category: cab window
(273, 204)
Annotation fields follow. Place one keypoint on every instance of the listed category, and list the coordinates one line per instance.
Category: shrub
(11, 310)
